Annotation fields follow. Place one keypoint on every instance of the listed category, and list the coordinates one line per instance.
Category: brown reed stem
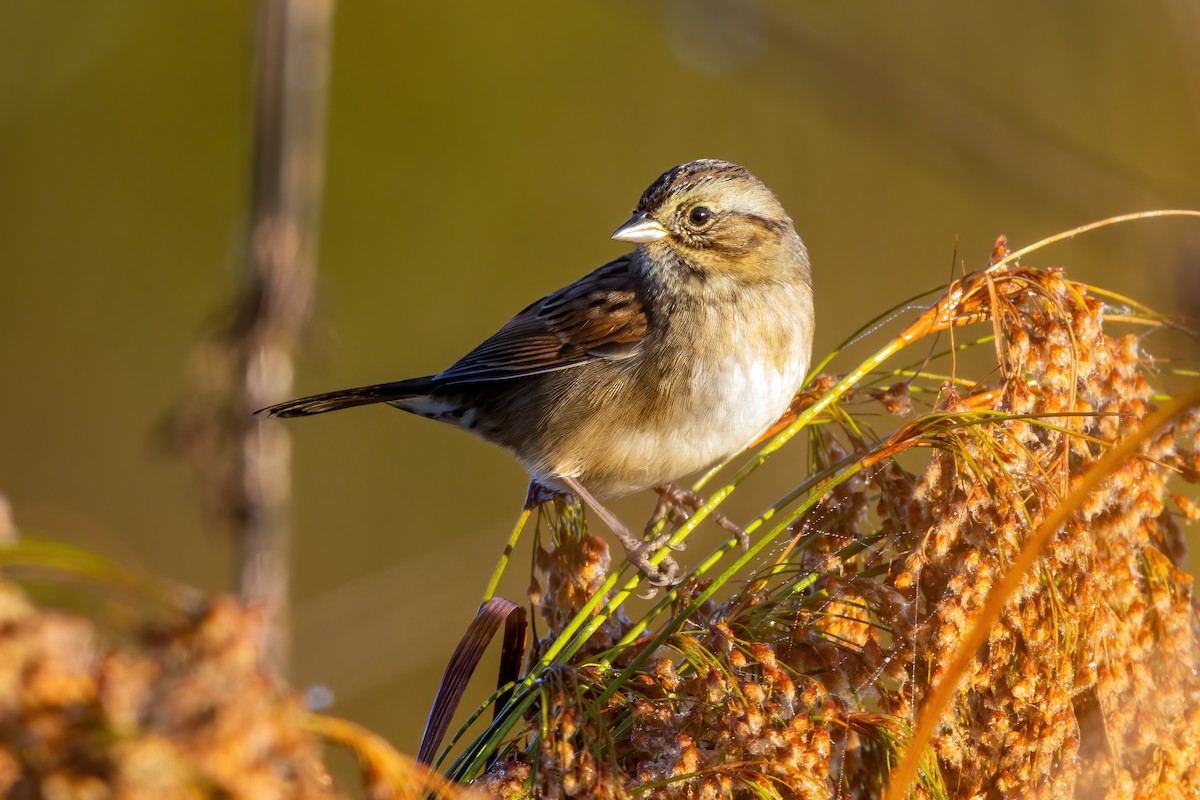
(292, 51)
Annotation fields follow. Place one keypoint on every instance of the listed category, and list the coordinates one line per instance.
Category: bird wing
(600, 316)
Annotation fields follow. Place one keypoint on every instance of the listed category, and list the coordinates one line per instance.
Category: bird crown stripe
(686, 175)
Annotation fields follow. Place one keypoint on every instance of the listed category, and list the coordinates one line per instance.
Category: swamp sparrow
(668, 360)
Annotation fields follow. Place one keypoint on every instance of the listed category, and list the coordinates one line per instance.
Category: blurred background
(478, 157)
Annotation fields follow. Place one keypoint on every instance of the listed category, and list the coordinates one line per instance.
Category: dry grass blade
(463, 663)
(512, 655)
(58, 562)
(1015, 256)
(388, 774)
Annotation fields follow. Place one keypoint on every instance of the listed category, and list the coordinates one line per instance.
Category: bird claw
(664, 573)
(662, 510)
(663, 540)
(738, 531)
(668, 574)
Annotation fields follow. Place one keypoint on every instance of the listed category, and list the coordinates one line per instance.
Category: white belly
(736, 403)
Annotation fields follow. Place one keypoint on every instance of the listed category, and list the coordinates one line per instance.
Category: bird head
(714, 217)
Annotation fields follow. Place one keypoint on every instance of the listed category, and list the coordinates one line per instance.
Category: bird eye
(699, 216)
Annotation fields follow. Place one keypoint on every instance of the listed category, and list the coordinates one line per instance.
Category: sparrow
(666, 361)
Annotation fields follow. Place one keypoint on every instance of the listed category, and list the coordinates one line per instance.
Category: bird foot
(664, 573)
(637, 550)
(674, 500)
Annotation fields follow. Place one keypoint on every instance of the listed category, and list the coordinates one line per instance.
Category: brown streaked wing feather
(600, 316)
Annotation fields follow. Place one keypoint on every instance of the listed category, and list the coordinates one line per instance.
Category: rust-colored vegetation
(797, 669)
(182, 710)
(806, 680)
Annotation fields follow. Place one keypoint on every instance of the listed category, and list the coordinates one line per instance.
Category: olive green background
(479, 156)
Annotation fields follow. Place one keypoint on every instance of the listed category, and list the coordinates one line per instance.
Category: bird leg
(637, 550)
(675, 500)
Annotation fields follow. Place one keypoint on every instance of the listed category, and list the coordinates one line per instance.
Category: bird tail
(346, 398)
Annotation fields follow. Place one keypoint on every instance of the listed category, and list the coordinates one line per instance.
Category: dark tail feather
(360, 396)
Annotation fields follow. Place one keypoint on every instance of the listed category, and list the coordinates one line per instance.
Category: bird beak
(640, 229)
